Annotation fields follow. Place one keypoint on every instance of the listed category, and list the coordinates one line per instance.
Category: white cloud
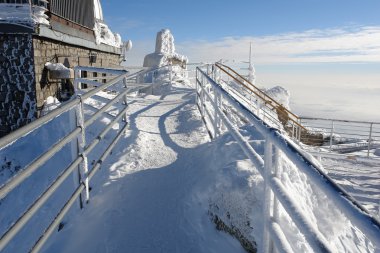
(358, 44)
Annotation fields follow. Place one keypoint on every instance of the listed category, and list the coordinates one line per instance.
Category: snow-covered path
(152, 194)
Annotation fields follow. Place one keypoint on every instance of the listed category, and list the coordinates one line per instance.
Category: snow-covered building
(164, 53)
(36, 32)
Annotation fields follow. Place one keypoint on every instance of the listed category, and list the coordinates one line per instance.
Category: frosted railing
(212, 101)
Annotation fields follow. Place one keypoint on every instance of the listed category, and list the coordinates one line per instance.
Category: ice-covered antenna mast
(250, 53)
(251, 69)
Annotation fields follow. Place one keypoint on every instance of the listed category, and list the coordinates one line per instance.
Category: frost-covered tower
(164, 53)
(34, 32)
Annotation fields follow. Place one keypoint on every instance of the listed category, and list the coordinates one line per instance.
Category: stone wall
(46, 50)
(17, 89)
(24, 81)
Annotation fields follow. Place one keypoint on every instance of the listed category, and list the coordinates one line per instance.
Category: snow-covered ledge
(23, 14)
(59, 71)
(55, 35)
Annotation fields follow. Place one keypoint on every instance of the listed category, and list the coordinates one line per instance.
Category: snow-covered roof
(23, 14)
(34, 15)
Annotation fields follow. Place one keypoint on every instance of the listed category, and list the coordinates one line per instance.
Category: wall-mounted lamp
(93, 57)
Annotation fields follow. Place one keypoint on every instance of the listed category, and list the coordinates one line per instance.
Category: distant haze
(331, 73)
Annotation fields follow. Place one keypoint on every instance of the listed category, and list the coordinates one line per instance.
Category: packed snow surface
(360, 179)
(153, 194)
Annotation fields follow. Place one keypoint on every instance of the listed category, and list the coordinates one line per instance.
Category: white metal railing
(213, 101)
(263, 105)
(77, 137)
(344, 136)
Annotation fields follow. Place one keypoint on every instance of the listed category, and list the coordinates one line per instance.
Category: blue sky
(299, 44)
(199, 26)
(211, 20)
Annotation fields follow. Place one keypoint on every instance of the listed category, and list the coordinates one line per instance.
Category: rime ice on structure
(103, 33)
(251, 68)
(165, 52)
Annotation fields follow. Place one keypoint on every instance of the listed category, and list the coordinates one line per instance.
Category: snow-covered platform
(167, 187)
(153, 193)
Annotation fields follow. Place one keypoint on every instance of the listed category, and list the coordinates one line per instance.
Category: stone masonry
(17, 86)
(24, 81)
(46, 50)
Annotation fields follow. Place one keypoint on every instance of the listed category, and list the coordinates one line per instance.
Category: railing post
(125, 101)
(220, 106)
(276, 203)
(202, 96)
(75, 152)
(293, 129)
(196, 87)
(153, 82)
(267, 195)
(277, 173)
(171, 73)
(77, 75)
(331, 134)
(258, 108)
(300, 129)
(299, 134)
(215, 122)
(81, 146)
(369, 139)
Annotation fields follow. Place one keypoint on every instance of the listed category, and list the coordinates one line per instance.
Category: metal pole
(220, 106)
(196, 87)
(277, 173)
(171, 73)
(215, 122)
(202, 97)
(125, 102)
(258, 108)
(74, 155)
(77, 75)
(267, 194)
(331, 134)
(299, 133)
(82, 143)
(293, 134)
(153, 81)
(369, 139)
(276, 203)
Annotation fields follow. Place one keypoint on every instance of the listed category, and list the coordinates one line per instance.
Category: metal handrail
(78, 137)
(354, 211)
(339, 120)
(342, 132)
(259, 93)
